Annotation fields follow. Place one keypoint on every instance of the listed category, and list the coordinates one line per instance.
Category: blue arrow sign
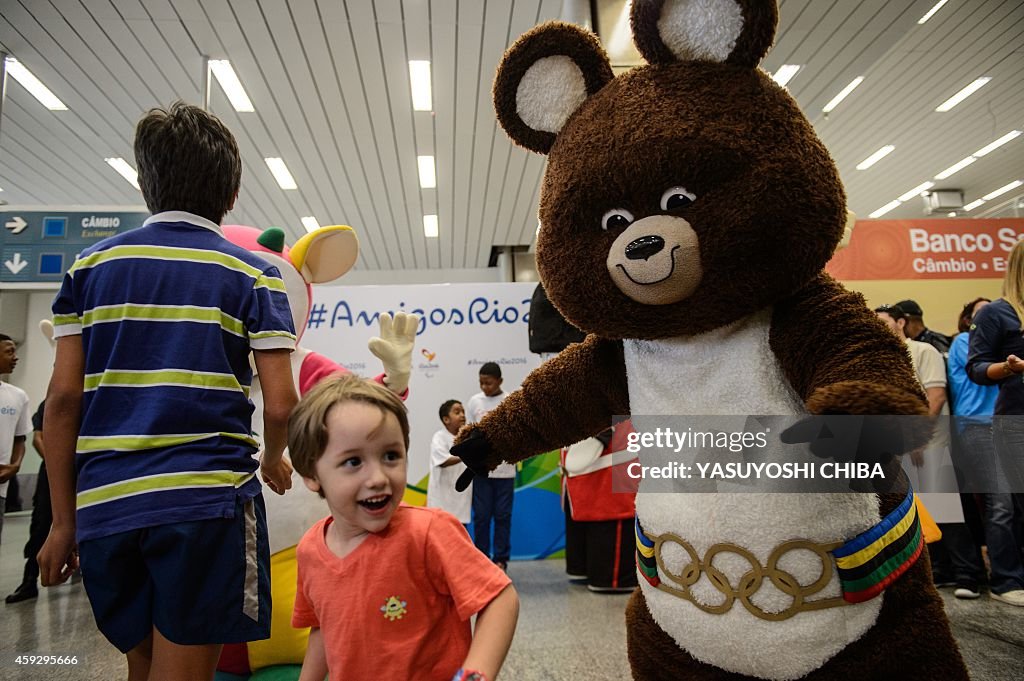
(40, 245)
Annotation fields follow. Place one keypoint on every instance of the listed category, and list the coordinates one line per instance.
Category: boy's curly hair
(307, 425)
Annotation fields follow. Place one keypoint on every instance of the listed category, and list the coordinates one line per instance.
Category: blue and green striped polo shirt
(168, 314)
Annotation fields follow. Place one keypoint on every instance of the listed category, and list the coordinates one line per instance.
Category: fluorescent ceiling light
(430, 225)
(621, 38)
(124, 170)
(932, 11)
(281, 174)
(34, 85)
(962, 95)
(785, 73)
(843, 93)
(419, 79)
(915, 191)
(231, 85)
(998, 143)
(955, 168)
(310, 223)
(884, 209)
(1002, 190)
(875, 157)
(428, 178)
(973, 204)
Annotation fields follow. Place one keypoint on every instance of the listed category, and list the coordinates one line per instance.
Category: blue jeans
(1008, 434)
(1003, 546)
(492, 499)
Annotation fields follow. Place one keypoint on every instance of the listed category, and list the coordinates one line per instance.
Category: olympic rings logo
(751, 581)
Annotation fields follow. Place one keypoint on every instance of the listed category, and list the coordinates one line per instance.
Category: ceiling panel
(329, 81)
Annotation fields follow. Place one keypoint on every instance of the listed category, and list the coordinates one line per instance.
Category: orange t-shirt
(398, 606)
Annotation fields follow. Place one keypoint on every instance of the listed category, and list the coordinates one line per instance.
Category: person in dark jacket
(994, 355)
(39, 526)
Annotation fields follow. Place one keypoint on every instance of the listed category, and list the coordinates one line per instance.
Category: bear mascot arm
(687, 213)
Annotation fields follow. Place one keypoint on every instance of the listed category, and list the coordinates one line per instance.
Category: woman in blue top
(994, 358)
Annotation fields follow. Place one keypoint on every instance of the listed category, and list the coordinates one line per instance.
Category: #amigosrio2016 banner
(462, 326)
(927, 249)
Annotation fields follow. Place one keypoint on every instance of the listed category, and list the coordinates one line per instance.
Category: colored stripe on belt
(645, 561)
(874, 559)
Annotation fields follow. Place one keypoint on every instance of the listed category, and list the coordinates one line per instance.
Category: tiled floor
(565, 632)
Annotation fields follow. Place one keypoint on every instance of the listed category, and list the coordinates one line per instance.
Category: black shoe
(611, 589)
(23, 593)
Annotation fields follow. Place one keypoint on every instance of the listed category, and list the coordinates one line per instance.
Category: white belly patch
(732, 371)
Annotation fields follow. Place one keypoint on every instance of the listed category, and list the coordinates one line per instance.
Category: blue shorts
(197, 582)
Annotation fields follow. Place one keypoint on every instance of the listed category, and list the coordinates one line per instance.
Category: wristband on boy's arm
(469, 675)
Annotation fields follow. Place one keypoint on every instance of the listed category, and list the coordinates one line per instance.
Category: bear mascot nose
(644, 247)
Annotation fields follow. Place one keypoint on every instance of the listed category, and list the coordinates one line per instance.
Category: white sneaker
(1015, 597)
(967, 592)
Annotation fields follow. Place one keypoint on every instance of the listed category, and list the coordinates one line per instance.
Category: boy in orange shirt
(387, 588)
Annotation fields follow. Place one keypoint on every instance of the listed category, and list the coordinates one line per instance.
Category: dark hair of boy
(446, 408)
(963, 322)
(894, 311)
(4, 338)
(187, 160)
(491, 369)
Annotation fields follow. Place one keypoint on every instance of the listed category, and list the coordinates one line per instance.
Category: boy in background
(492, 496)
(150, 385)
(14, 421)
(445, 469)
(388, 589)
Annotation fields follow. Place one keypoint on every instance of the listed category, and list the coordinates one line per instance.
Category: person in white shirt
(492, 496)
(445, 469)
(15, 424)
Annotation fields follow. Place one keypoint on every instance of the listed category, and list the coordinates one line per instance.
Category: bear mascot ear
(545, 77)
(736, 32)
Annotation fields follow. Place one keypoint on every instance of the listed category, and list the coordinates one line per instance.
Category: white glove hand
(394, 348)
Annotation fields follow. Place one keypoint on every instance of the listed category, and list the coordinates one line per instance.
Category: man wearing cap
(916, 330)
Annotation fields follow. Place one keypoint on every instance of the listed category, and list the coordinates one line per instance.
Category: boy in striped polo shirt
(149, 403)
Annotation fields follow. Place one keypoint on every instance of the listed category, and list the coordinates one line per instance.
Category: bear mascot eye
(616, 218)
(677, 197)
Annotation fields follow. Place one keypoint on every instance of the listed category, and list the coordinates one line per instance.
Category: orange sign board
(927, 249)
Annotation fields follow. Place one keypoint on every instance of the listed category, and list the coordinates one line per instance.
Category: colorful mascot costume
(318, 257)
(598, 521)
(687, 212)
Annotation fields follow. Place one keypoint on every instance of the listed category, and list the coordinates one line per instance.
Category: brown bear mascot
(687, 212)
